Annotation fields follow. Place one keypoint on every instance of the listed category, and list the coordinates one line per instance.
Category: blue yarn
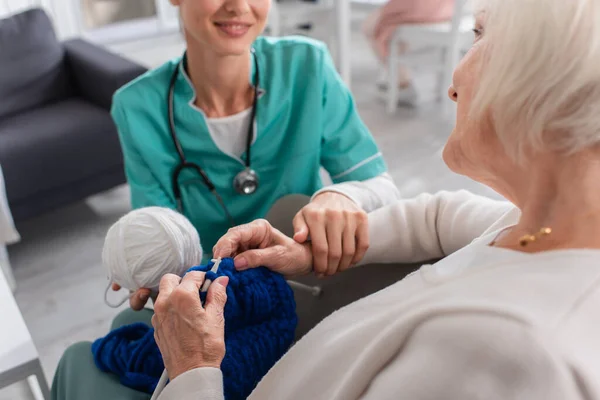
(132, 354)
(260, 323)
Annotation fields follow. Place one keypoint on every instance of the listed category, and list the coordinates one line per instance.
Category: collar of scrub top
(183, 72)
(186, 89)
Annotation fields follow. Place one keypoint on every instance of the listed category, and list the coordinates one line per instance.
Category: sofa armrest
(98, 73)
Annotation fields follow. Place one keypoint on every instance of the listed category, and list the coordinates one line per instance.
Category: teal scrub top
(306, 118)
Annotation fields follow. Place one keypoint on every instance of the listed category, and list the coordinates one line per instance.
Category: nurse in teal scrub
(238, 122)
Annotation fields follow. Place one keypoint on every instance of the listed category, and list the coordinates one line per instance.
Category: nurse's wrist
(334, 191)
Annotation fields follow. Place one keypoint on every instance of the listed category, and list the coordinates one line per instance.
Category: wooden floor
(57, 264)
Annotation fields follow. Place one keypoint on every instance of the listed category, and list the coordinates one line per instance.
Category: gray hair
(540, 76)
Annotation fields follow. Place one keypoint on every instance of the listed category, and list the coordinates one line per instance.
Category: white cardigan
(483, 323)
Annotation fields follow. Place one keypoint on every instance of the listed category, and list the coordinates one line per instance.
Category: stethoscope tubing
(183, 161)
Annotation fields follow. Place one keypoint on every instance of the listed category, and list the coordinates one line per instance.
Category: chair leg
(383, 75)
(392, 100)
(314, 290)
(343, 17)
(38, 384)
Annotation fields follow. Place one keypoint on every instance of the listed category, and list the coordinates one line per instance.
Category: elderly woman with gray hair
(511, 311)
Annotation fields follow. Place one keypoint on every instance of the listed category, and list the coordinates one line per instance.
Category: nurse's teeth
(234, 26)
(233, 29)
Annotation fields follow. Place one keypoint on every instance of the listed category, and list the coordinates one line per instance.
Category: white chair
(449, 39)
(287, 15)
(361, 9)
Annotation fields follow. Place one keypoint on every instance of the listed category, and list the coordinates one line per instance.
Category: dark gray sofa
(58, 143)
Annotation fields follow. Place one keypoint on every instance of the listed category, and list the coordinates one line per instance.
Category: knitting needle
(314, 290)
(214, 269)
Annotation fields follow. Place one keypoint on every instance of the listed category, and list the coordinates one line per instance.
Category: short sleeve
(475, 356)
(146, 190)
(349, 152)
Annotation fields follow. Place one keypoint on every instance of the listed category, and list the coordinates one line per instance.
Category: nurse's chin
(227, 48)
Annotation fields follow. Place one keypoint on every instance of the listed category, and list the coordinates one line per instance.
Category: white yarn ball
(148, 243)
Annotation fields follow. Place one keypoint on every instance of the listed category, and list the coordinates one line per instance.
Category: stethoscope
(245, 182)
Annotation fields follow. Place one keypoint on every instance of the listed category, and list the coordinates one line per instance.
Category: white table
(19, 358)
(6, 268)
(8, 234)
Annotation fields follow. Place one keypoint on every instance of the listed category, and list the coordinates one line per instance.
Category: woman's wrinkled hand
(188, 334)
(338, 230)
(259, 244)
(139, 298)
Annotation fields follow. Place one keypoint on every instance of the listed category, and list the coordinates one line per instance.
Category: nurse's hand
(259, 244)
(338, 231)
(139, 298)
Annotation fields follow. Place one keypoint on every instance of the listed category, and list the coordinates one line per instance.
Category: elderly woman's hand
(189, 335)
(259, 244)
(338, 230)
(138, 299)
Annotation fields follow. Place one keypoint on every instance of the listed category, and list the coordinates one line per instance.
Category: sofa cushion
(55, 146)
(32, 64)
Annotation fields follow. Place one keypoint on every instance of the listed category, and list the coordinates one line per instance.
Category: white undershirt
(230, 134)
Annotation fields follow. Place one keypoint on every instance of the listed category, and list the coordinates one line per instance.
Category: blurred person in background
(380, 25)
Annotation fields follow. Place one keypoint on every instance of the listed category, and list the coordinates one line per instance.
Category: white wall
(62, 12)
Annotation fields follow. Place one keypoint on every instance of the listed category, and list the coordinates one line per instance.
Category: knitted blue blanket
(260, 322)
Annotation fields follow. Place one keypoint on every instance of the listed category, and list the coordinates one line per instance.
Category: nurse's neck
(221, 82)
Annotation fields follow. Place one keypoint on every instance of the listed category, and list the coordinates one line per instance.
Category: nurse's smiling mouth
(233, 29)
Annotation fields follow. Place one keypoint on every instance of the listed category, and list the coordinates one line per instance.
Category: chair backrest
(32, 64)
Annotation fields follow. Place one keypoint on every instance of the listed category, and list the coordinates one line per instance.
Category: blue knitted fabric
(260, 322)
(132, 354)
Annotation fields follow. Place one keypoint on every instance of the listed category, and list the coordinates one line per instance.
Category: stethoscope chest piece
(246, 182)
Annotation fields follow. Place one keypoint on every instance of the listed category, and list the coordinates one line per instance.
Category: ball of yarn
(260, 324)
(148, 243)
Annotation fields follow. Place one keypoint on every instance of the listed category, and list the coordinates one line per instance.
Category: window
(101, 13)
